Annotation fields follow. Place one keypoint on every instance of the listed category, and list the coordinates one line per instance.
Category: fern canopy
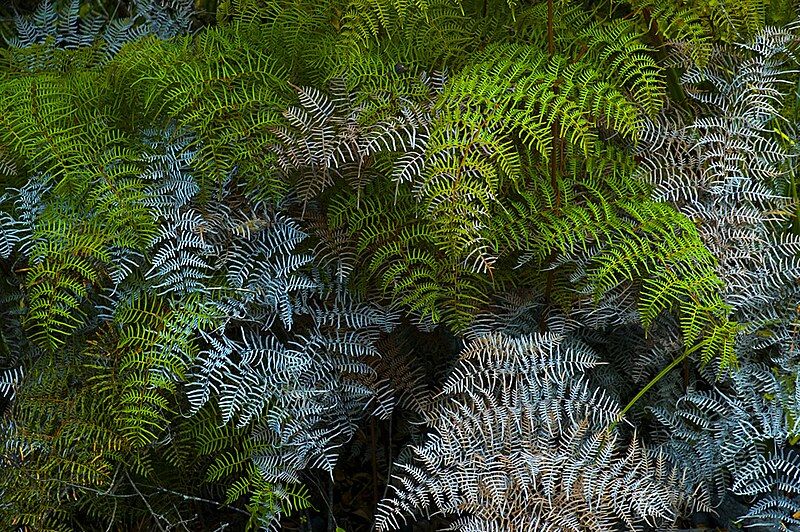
(253, 250)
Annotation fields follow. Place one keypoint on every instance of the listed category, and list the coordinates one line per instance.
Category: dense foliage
(371, 264)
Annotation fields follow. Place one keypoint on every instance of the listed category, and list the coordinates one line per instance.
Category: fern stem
(331, 520)
(551, 45)
(653, 382)
(554, 160)
(186, 497)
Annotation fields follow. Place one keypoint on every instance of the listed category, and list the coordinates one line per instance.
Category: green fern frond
(232, 106)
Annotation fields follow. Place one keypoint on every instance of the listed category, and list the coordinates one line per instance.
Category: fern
(230, 106)
(232, 258)
(299, 391)
(41, 38)
(514, 446)
(730, 197)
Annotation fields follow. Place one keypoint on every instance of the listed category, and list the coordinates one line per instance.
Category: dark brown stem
(555, 151)
(551, 44)
(548, 289)
(556, 159)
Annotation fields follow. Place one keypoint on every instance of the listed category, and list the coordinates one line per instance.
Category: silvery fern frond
(9, 380)
(9, 232)
(520, 441)
(180, 261)
(18, 226)
(258, 252)
(304, 394)
(65, 29)
(171, 184)
(165, 18)
(726, 437)
(775, 483)
(333, 136)
(726, 170)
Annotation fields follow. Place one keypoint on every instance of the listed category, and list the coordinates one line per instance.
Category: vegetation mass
(474, 265)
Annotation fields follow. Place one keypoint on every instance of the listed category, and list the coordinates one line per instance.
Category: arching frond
(518, 441)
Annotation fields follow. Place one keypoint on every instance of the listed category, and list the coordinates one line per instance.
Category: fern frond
(513, 446)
